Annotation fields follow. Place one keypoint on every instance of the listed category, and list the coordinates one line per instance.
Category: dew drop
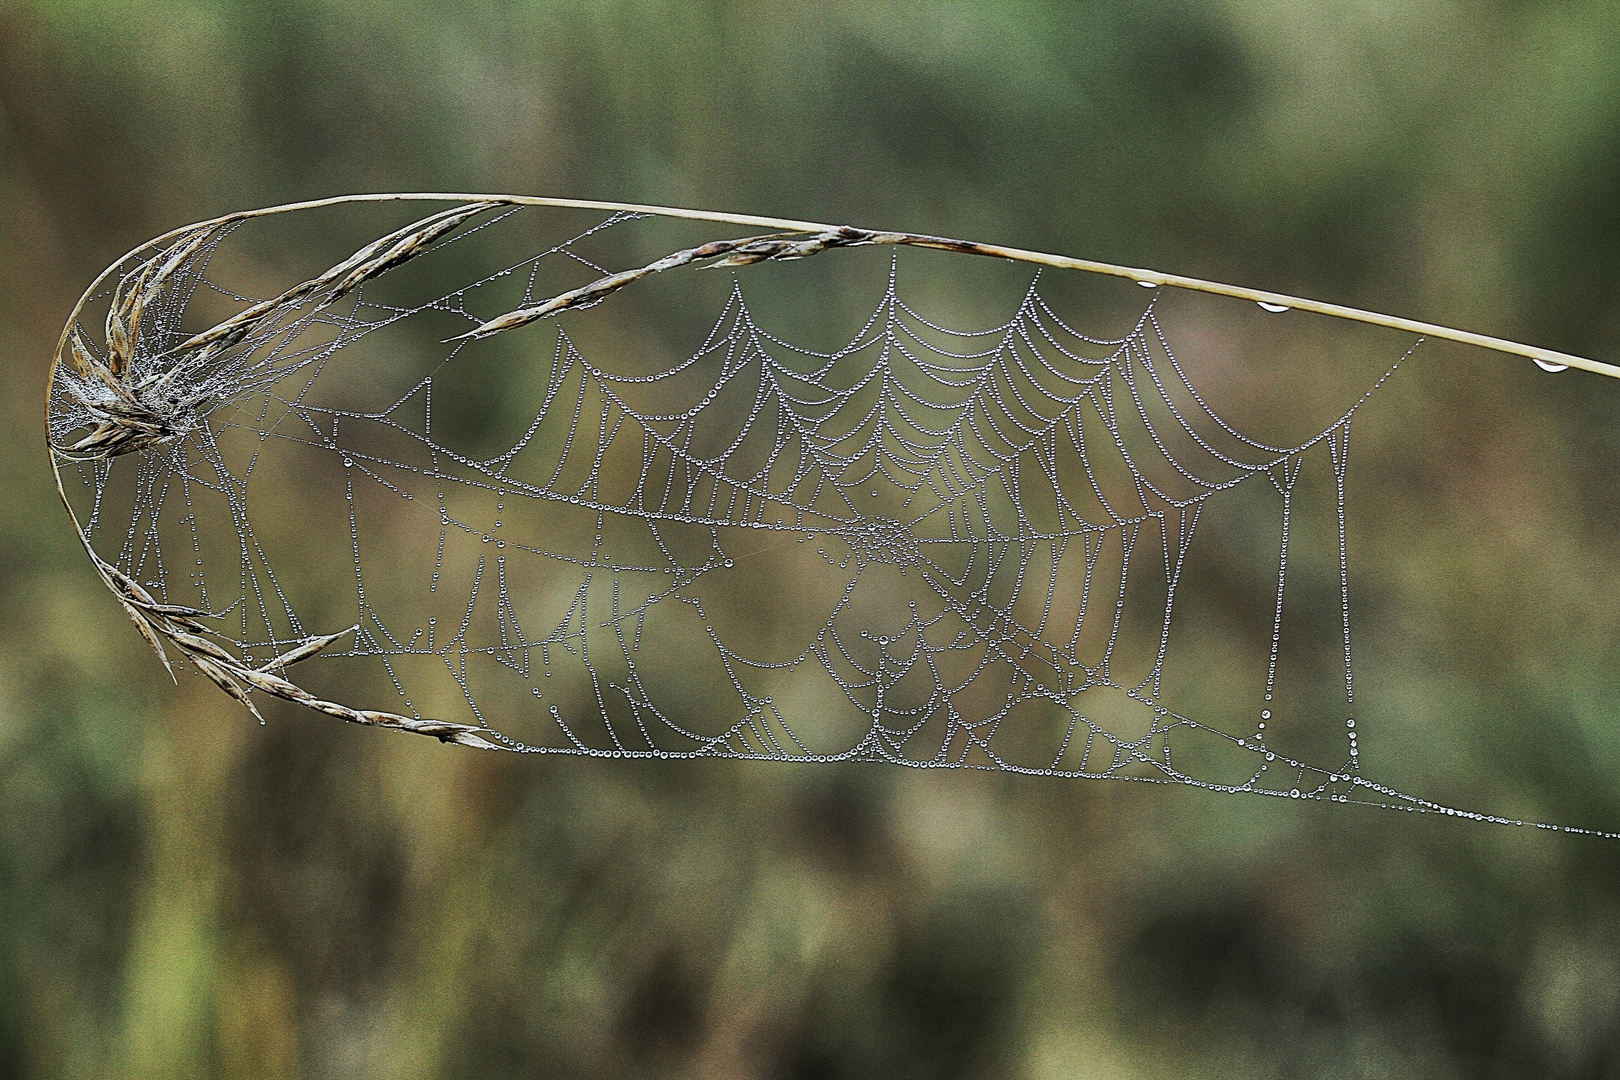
(1148, 284)
(1265, 714)
(730, 563)
(1544, 366)
(1272, 307)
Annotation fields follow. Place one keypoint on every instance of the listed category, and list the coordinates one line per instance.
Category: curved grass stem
(1038, 258)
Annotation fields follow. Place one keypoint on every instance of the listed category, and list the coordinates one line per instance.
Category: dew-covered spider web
(926, 546)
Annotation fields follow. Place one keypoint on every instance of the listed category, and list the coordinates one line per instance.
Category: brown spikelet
(368, 262)
(273, 684)
(183, 628)
(305, 651)
(406, 247)
(176, 257)
(120, 347)
(151, 637)
(740, 252)
(221, 677)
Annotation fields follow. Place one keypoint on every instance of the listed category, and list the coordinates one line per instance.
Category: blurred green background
(186, 894)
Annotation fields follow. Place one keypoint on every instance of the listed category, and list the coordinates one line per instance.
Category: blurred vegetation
(186, 894)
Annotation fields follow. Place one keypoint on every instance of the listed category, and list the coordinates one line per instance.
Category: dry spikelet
(371, 260)
(183, 628)
(306, 650)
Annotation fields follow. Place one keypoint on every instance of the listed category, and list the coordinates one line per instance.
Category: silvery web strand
(974, 514)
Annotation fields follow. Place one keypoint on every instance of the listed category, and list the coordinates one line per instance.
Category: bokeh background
(186, 894)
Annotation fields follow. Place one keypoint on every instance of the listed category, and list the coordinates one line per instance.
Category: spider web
(929, 547)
